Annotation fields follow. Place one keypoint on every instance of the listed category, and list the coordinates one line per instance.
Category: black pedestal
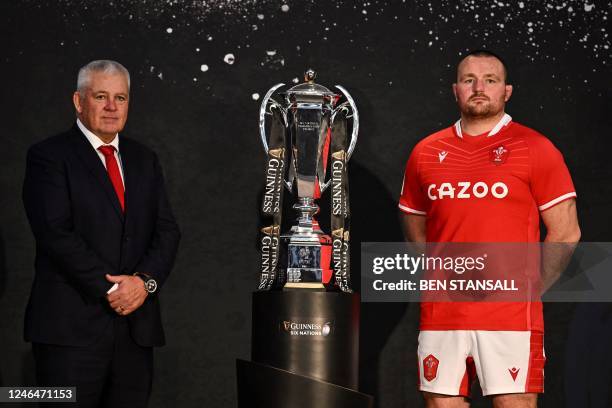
(305, 351)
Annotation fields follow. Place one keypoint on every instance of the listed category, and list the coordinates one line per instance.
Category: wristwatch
(150, 284)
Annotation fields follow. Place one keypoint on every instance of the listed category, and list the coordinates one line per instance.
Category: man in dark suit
(106, 241)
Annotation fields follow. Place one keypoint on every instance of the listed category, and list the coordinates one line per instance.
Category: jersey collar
(505, 120)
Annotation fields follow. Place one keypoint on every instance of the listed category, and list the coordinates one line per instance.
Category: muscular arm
(413, 227)
(562, 235)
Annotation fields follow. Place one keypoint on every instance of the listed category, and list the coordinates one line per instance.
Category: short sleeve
(412, 200)
(551, 182)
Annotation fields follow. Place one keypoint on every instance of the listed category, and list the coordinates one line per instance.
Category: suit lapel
(92, 162)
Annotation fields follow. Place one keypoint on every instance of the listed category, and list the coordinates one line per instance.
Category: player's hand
(129, 296)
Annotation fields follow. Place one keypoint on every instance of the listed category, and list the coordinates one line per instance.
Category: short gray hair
(100, 66)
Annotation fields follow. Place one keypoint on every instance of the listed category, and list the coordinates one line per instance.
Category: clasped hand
(129, 296)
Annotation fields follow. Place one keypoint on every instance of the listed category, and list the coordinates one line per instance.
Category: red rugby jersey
(486, 188)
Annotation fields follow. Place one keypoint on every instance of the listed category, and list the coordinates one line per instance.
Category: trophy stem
(307, 209)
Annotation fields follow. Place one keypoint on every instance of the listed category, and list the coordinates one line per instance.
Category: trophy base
(304, 285)
(307, 255)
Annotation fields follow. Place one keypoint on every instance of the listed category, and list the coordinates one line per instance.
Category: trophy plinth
(304, 352)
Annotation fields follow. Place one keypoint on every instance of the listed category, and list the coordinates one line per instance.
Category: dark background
(397, 58)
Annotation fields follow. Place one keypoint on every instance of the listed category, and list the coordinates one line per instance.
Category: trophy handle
(264, 110)
(355, 115)
(348, 105)
(267, 104)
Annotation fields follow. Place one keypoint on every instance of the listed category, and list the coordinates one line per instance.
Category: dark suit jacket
(82, 234)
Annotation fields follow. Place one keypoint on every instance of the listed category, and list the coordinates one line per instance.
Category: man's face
(481, 90)
(103, 108)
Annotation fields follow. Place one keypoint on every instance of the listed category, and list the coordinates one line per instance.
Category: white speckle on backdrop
(203, 67)
(255, 96)
(490, 17)
(539, 31)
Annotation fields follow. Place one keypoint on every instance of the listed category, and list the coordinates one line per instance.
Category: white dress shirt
(97, 142)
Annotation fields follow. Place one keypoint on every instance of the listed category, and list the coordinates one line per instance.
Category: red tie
(113, 172)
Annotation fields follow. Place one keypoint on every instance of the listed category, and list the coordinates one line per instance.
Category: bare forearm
(563, 233)
(557, 252)
(413, 227)
(555, 258)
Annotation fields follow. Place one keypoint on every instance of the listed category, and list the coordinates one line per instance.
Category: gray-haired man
(106, 241)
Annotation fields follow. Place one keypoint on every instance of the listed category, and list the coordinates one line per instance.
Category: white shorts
(506, 362)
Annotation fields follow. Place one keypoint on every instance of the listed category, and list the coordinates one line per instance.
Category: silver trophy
(310, 138)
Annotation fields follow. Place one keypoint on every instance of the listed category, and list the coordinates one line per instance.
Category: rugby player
(486, 178)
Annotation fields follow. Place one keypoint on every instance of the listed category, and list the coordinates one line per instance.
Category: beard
(481, 109)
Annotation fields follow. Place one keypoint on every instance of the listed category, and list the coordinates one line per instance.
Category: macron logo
(442, 155)
(514, 372)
